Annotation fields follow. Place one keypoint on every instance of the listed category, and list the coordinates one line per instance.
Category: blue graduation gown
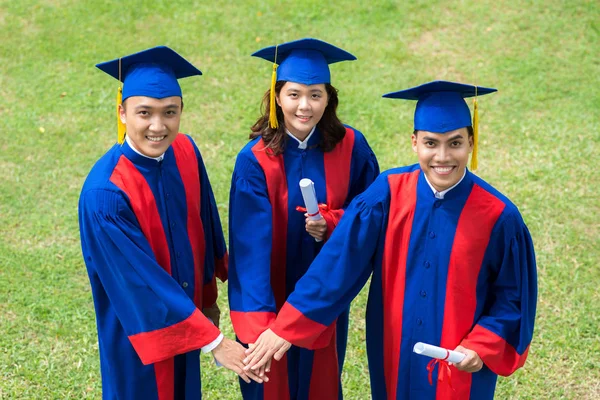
(454, 271)
(271, 250)
(153, 245)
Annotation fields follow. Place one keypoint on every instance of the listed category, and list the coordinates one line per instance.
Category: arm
(335, 277)
(251, 297)
(502, 335)
(159, 319)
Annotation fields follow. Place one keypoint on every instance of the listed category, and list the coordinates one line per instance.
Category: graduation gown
(153, 245)
(454, 271)
(270, 250)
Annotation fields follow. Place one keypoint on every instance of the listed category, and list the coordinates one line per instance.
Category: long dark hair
(330, 126)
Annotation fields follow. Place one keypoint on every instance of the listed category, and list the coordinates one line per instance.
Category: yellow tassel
(475, 135)
(120, 125)
(272, 107)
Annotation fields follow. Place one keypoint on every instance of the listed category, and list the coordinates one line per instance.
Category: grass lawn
(540, 135)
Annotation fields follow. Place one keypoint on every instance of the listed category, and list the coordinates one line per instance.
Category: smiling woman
(298, 136)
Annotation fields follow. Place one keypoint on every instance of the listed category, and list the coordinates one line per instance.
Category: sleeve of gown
(159, 319)
(251, 298)
(502, 335)
(216, 261)
(364, 171)
(337, 275)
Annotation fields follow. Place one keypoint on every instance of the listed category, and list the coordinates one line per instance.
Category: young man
(452, 265)
(152, 241)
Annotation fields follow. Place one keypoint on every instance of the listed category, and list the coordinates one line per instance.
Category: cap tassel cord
(475, 133)
(121, 129)
(273, 123)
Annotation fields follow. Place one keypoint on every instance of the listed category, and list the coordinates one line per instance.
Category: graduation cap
(304, 61)
(441, 108)
(151, 73)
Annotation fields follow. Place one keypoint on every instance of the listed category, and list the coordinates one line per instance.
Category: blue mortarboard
(152, 72)
(304, 61)
(441, 108)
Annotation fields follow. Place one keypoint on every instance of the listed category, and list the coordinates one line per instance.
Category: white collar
(130, 143)
(440, 195)
(302, 144)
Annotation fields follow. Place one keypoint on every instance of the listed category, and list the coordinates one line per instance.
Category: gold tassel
(120, 125)
(475, 135)
(272, 107)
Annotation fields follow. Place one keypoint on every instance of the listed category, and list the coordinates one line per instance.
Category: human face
(302, 106)
(152, 124)
(443, 156)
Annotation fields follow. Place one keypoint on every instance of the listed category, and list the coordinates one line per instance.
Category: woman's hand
(316, 229)
(267, 345)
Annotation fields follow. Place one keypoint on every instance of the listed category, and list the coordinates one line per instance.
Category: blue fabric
(506, 290)
(441, 106)
(250, 227)
(304, 61)
(132, 292)
(151, 73)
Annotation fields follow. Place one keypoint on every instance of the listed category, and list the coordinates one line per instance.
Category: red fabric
(402, 209)
(131, 181)
(337, 179)
(293, 326)
(277, 388)
(165, 382)
(274, 170)
(187, 164)
(475, 224)
(190, 334)
(337, 171)
(249, 325)
(325, 372)
(332, 217)
(494, 351)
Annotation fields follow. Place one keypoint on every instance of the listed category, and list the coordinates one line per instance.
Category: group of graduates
(450, 259)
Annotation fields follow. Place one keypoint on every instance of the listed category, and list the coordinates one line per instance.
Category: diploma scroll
(440, 353)
(307, 187)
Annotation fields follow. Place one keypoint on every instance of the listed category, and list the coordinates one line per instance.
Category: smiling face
(302, 106)
(152, 124)
(443, 157)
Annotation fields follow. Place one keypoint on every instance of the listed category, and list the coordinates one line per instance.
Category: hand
(267, 345)
(316, 229)
(230, 354)
(471, 363)
(213, 313)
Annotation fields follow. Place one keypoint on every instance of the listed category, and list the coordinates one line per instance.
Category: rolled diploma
(428, 350)
(307, 187)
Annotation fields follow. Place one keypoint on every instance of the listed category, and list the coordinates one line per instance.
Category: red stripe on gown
(403, 192)
(475, 224)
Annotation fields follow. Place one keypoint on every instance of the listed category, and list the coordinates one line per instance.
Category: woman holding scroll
(272, 241)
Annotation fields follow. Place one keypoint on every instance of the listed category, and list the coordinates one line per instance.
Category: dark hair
(469, 131)
(275, 139)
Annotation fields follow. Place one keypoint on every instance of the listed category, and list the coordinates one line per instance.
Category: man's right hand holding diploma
(316, 228)
(471, 363)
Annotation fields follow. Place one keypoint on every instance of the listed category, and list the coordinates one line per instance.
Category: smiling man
(152, 241)
(451, 260)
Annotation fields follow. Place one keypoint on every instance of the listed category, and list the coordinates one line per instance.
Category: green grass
(540, 146)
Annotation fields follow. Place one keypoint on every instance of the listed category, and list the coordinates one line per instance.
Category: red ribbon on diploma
(443, 371)
(322, 207)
